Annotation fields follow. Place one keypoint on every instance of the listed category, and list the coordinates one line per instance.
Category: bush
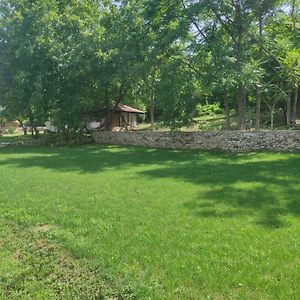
(11, 129)
(68, 139)
(209, 109)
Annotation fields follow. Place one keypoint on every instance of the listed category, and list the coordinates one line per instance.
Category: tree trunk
(272, 111)
(294, 110)
(238, 43)
(108, 119)
(272, 119)
(31, 121)
(258, 88)
(288, 110)
(227, 112)
(36, 132)
(242, 108)
(152, 109)
(152, 117)
(257, 110)
(238, 22)
(23, 127)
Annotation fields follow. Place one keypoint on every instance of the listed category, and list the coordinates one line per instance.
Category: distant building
(122, 118)
(7, 125)
(49, 127)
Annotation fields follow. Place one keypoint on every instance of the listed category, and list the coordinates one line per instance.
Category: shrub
(66, 139)
(209, 109)
(11, 129)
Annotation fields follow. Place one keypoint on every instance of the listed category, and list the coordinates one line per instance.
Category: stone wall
(241, 141)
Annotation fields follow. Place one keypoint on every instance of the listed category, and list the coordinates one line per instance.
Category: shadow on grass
(266, 189)
(94, 159)
(237, 185)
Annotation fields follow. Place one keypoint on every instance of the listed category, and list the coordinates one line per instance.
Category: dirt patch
(17, 256)
(43, 228)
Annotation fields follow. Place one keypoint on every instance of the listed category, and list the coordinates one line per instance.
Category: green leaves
(59, 59)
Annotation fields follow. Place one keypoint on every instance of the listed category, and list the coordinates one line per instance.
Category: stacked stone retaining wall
(237, 141)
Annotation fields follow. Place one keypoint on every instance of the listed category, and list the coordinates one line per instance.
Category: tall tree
(24, 53)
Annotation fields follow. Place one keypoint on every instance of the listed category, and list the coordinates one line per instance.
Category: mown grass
(32, 267)
(164, 224)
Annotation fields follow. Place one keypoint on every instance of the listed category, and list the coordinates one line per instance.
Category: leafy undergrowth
(47, 139)
(13, 138)
(32, 267)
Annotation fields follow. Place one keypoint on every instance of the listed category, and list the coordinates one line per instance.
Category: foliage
(175, 85)
(60, 59)
(74, 138)
(209, 109)
(11, 129)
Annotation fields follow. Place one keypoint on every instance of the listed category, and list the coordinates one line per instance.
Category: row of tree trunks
(291, 114)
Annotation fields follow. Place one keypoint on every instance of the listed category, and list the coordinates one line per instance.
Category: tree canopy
(59, 59)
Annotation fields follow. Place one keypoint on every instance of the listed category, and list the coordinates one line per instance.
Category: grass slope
(164, 224)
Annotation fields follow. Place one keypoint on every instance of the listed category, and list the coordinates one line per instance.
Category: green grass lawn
(155, 224)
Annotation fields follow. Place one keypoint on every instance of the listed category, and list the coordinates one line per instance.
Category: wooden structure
(122, 118)
(4, 127)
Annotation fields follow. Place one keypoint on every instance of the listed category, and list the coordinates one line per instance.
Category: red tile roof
(125, 108)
